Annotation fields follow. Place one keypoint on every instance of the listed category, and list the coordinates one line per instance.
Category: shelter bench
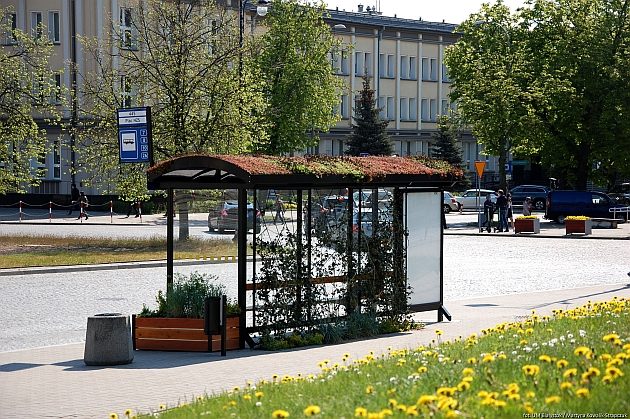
(607, 222)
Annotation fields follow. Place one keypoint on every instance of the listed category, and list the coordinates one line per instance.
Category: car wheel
(447, 209)
(210, 227)
(221, 230)
(539, 204)
(560, 219)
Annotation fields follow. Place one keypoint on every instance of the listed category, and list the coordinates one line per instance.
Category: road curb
(535, 236)
(115, 266)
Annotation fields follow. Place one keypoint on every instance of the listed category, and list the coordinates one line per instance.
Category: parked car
(225, 217)
(621, 194)
(339, 232)
(384, 198)
(468, 200)
(450, 203)
(537, 193)
(561, 204)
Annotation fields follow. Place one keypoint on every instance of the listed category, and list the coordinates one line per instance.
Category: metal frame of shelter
(253, 173)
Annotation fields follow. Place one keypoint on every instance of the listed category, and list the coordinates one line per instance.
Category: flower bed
(578, 224)
(527, 224)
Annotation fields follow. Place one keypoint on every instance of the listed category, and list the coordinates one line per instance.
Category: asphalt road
(49, 309)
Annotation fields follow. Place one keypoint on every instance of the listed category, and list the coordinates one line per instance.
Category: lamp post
(261, 10)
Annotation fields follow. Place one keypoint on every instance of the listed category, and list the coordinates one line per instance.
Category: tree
(179, 58)
(488, 72)
(579, 55)
(369, 131)
(297, 78)
(445, 142)
(28, 99)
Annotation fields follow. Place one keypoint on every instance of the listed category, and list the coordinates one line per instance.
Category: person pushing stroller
(488, 213)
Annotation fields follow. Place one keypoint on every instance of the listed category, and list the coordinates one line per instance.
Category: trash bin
(108, 340)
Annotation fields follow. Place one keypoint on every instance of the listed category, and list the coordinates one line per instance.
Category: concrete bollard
(108, 340)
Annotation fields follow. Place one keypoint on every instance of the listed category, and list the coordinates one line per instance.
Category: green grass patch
(575, 361)
(29, 251)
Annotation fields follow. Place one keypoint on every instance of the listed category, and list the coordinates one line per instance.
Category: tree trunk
(582, 169)
(502, 162)
(182, 200)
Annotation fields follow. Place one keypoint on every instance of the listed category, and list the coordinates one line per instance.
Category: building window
(339, 61)
(56, 159)
(390, 108)
(413, 109)
(127, 32)
(380, 104)
(125, 92)
(426, 71)
(344, 107)
(413, 68)
(55, 94)
(386, 65)
(404, 109)
(424, 110)
(363, 63)
(404, 67)
(445, 77)
(36, 25)
(53, 27)
(434, 67)
(433, 106)
(445, 107)
(391, 63)
(10, 24)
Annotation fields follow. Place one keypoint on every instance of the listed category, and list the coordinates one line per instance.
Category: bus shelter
(360, 233)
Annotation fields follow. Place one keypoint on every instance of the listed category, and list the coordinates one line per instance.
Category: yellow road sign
(480, 165)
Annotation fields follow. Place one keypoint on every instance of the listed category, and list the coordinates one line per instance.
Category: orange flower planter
(527, 225)
(180, 334)
(578, 226)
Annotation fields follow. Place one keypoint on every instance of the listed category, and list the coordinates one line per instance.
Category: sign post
(135, 141)
(479, 166)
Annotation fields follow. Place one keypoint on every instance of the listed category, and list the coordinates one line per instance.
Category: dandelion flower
(545, 358)
(468, 372)
(571, 372)
(162, 407)
(426, 399)
(247, 397)
(582, 351)
(259, 394)
(565, 385)
(607, 379)
(422, 370)
(582, 392)
(280, 414)
(369, 390)
(552, 399)
(562, 363)
(360, 412)
(611, 337)
(438, 332)
(412, 411)
(614, 372)
(113, 416)
(531, 370)
(312, 410)
(487, 358)
(446, 391)
(472, 360)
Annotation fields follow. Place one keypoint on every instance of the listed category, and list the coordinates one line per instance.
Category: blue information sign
(134, 135)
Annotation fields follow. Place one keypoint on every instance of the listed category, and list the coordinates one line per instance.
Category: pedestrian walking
(279, 207)
(527, 206)
(83, 203)
(134, 207)
(74, 198)
(502, 204)
(510, 213)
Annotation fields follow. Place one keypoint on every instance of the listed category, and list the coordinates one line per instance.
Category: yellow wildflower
(452, 414)
(247, 397)
(422, 369)
(528, 407)
(113, 416)
(482, 394)
(607, 379)
(614, 372)
(530, 394)
(438, 332)
(582, 351)
(385, 412)
(565, 385)
(445, 391)
(488, 358)
(360, 412)
(571, 372)
(392, 403)
(611, 337)
(312, 410)
(499, 403)
(582, 392)
(369, 390)
(531, 369)
(463, 386)
(412, 411)
(259, 394)
(162, 407)
(426, 399)
(562, 363)
(472, 360)
(552, 399)
(514, 396)
(280, 414)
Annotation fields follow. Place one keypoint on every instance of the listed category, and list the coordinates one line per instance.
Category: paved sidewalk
(54, 382)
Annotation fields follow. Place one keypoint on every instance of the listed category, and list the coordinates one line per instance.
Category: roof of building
(201, 171)
(375, 19)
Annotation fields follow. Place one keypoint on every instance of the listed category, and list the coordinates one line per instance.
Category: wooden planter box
(180, 334)
(578, 226)
(527, 225)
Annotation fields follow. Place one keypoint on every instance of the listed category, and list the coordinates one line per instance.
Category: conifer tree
(445, 142)
(369, 133)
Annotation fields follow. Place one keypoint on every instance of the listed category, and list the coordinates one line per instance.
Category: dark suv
(560, 204)
(225, 217)
(537, 193)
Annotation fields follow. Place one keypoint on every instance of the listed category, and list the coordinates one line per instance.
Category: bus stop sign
(134, 135)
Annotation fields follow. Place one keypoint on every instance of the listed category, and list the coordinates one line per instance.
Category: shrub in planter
(578, 224)
(177, 324)
(527, 224)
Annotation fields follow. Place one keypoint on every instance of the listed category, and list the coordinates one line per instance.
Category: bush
(187, 297)
(359, 325)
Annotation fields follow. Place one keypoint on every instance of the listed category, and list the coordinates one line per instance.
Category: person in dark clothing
(488, 211)
(135, 207)
(502, 205)
(74, 198)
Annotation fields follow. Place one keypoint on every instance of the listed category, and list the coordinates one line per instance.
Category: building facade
(403, 57)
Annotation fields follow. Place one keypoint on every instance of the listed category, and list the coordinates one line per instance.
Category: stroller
(487, 218)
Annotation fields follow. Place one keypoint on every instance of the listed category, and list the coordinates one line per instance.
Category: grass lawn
(27, 251)
(575, 361)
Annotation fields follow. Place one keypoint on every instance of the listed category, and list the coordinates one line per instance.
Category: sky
(451, 11)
